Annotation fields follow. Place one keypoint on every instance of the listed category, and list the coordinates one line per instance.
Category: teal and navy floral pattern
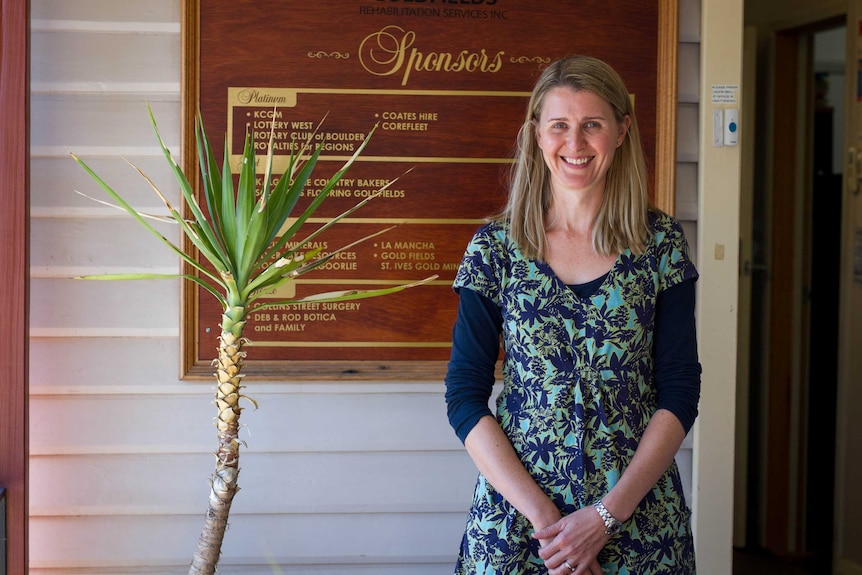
(577, 396)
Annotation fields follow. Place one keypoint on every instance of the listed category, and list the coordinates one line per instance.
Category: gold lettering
(385, 53)
(382, 53)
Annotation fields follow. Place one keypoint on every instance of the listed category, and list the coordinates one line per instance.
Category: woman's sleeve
(475, 349)
(674, 261)
(677, 369)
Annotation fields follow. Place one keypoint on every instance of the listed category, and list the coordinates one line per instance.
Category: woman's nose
(576, 138)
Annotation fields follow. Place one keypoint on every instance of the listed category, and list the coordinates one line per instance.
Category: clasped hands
(572, 544)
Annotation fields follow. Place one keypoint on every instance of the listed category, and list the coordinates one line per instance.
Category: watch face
(615, 528)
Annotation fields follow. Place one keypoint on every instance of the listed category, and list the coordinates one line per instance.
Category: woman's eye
(592, 125)
(559, 126)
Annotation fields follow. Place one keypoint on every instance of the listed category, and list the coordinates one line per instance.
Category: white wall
(361, 477)
(719, 180)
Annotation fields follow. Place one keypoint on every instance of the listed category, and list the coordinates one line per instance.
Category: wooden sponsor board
(446, 84)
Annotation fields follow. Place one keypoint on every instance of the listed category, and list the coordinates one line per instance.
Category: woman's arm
(677, 379)
(656, 450)
(475, 348)
(495, 458)
(469, 383)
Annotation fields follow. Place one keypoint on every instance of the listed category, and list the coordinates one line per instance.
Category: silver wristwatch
(612, 526)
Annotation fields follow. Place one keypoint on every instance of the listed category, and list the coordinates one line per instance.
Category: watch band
(612, 526)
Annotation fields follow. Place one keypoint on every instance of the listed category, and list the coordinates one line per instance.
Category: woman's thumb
(548, 532)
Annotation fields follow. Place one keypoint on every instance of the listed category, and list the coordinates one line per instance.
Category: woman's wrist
(545, 516)
(616, 508)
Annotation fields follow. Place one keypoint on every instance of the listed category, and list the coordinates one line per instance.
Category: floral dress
(577, 396)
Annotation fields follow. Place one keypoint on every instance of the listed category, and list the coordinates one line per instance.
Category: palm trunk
(224, 478)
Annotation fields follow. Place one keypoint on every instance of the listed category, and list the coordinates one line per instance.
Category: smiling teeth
(577, 162)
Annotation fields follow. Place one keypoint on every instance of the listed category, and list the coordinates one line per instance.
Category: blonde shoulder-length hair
(622, 220)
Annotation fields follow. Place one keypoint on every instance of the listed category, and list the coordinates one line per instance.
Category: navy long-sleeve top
(476, 347)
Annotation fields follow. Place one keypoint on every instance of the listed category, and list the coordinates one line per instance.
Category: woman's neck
(573, 213)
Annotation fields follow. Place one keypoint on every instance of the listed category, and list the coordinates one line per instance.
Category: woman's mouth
(577, 161)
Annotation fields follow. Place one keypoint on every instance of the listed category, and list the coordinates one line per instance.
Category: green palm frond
(124, 205)
(148, 276)
(203, 237)
(240, 229)
(342, 295)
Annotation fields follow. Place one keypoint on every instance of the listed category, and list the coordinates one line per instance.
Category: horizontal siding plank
(103, 332)
(106, 10)
(84, 56)
(141, 365)
(123, 363)
(104, 26)
(690, 229)
(109, 91)
(83, 123)
(112, 241)
(261, 388)
(687, 133)
(283, 539)
(87, 152)
(69, 303)
(53, 181)
(686, 191)
(149, 365)
(284, 423)
(101, 213)
(272, 483)
(688, 84)
(689, 21)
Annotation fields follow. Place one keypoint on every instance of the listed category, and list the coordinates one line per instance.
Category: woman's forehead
(562, 101)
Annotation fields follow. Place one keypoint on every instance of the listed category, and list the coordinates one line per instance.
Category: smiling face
(578, 134)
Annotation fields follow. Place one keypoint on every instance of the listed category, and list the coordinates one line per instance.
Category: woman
(593, 294)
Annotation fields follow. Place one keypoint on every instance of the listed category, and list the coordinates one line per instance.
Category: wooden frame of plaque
(447, 113)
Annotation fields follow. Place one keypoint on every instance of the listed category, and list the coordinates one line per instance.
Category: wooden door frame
(744, 332)
(782, 291)
(14, 261)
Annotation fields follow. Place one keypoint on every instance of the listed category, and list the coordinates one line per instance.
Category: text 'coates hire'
(390, 51)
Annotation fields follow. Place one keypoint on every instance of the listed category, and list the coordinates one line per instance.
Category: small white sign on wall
(724, 93)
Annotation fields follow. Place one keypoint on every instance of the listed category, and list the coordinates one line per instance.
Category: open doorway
(794, 275)
(824, 243)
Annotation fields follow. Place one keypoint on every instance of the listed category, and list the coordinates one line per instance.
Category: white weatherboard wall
(356, 477)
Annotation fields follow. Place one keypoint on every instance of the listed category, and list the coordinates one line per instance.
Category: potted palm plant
(243, 233)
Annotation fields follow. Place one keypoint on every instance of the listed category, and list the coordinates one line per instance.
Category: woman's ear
(624, 129)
